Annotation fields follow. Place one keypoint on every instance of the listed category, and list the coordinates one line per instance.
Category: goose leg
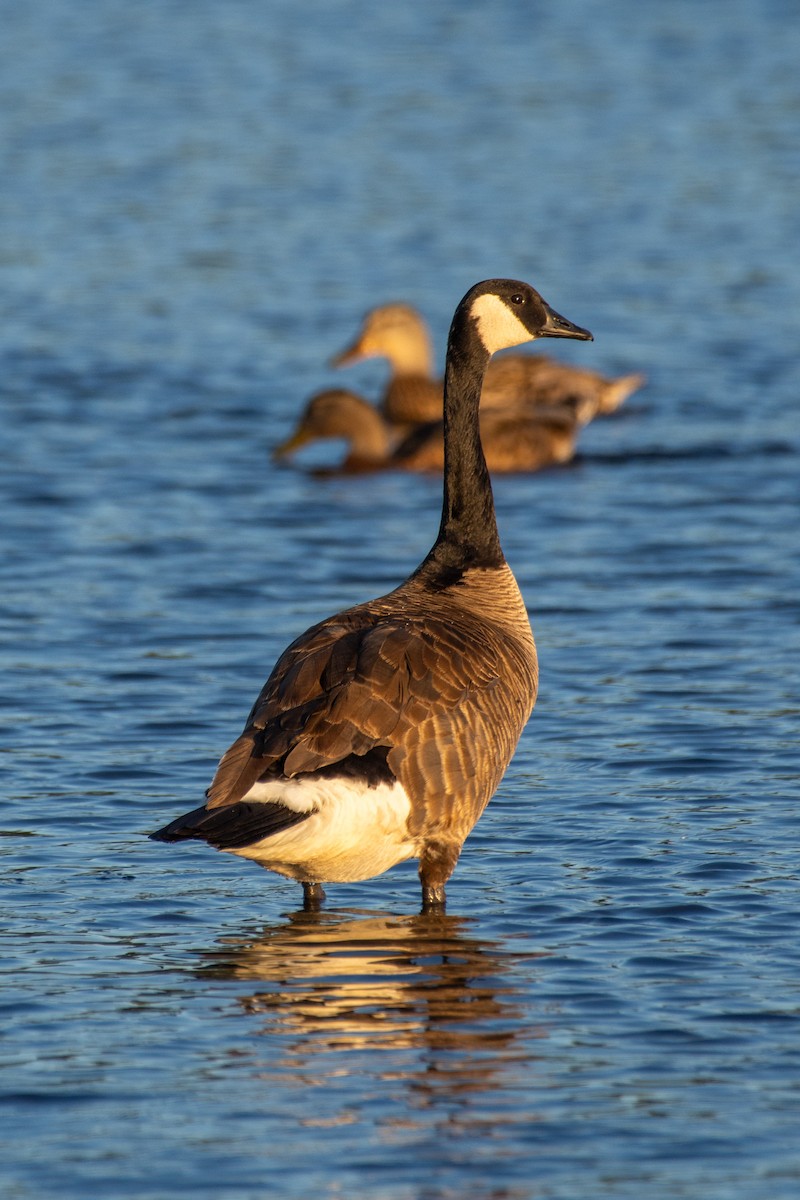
(433, 899)
(313, 897)
(436, 864)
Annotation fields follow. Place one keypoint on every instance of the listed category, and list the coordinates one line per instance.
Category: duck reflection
(337, 986)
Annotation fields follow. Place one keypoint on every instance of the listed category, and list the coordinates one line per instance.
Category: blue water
(199, 202)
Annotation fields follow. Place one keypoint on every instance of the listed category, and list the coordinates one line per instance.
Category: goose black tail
(232, 827)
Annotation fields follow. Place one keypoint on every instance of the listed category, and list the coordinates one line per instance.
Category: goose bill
(558, 326)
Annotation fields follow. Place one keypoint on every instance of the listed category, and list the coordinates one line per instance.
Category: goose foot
(313, 897)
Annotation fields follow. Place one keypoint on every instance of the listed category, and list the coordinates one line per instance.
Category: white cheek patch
(498, 326)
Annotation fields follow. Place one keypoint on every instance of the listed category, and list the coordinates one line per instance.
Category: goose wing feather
(429, 692)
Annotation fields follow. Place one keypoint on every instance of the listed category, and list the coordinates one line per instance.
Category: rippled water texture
(199, 202)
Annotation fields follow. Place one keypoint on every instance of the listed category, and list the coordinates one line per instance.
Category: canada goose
(517, 441)
(383, 731)
(398, 333)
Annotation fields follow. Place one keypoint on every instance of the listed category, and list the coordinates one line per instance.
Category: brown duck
(514, 441)
(514, 382)
(383, 731)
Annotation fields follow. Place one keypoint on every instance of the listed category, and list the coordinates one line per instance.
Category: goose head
(506, 312)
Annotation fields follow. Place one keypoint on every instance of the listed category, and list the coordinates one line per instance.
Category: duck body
(522, 383)
(512, 441)
(383, 731)
(515, 383)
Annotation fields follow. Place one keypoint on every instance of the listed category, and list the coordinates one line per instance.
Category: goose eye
(517, 298)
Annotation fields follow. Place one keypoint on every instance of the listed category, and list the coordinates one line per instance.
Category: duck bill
(558, 326)
(290, 445)
(353, 353)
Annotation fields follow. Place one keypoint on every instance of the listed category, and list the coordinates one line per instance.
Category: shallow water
(198, 206)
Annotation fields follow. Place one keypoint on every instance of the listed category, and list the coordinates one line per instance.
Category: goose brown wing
(337, 691)
(365, 680)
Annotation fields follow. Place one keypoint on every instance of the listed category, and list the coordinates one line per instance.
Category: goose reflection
(337, 986)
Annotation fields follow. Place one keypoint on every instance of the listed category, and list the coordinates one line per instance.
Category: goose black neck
(468, 534)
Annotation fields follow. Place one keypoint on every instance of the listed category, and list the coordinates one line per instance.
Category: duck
(514, 382)
(519, 382)
(340, 413)
(383, 731)
(398, 333)
(517, 441)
